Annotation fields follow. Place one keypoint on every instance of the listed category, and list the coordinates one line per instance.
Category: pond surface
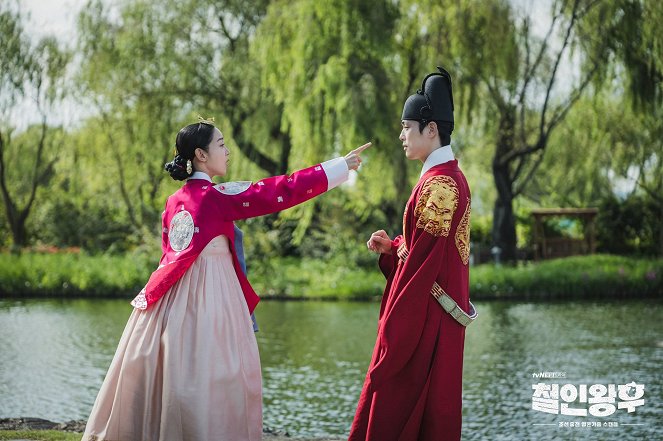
(54, 355)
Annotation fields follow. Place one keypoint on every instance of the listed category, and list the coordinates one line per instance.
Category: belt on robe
(444, 299)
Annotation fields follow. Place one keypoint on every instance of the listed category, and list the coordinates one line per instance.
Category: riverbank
(72, 275)
(19, 429)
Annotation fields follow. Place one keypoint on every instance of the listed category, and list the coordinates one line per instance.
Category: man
(413, 389)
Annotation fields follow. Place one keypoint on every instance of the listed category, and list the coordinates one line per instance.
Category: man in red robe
(413, 389)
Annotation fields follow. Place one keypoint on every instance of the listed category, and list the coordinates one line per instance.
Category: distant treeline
(558, 111)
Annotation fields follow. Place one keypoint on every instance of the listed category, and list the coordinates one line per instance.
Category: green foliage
(630, 226)
(20, 168)
(66, 274)
(630, 32)
(72, 275)
(480, 230)
(297, 82)
(95, 226)
(602, 143)
(598, 276)
(573, 172)
(313, 279)
(33, 71)
(329, 75)
(16, 61)
(128, 66)
(613, 163)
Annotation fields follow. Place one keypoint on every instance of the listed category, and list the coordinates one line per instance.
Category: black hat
(433, 102)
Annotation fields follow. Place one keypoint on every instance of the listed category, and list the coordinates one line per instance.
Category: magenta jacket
(201, 211)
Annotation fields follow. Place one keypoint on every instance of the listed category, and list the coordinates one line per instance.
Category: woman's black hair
(191, 137)
(444, 129)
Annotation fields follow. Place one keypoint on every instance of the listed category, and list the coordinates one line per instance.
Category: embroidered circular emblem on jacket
(463, 235)
(181, 230)
(436, 205)
(233, 188)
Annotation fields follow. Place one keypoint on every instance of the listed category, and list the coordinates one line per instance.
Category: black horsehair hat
(433, 102)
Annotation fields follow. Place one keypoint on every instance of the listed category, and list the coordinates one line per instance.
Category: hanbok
(187, 365)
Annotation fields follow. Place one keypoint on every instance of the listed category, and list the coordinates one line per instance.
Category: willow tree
(150, 67)
(128, 66)
(630, 35)
(575, 171)
(519, 83)
(326, 64)
(32, 72)
(611, 144)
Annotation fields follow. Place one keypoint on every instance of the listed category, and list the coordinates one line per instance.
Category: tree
(335, 84)
(216, 60)
(295, 82)
(498, 57)
(36, 73)
(635, 43)
(127, 67)
(610, 147)
(148, 71)
(575, 171)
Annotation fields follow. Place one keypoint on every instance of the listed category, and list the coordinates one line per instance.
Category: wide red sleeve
(243, 200)
(387, 262)
(410, 294)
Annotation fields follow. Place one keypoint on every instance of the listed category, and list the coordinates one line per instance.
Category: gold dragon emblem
(463, 235)
(436, 205)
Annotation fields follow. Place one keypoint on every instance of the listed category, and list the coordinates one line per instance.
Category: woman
(187, 365)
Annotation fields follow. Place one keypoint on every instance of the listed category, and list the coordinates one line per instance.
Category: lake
(54, 355)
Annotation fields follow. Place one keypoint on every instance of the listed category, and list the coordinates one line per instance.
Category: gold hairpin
(208, 120)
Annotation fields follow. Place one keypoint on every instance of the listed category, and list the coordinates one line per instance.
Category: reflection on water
(314, 357)
(54, 355)
(593, 343)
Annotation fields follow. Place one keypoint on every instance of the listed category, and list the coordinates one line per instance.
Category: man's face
(415, 144)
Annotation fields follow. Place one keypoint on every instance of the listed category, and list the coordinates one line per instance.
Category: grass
(291, 277)
(597, 276)
(80, 275)
(46, 435)
(71, 275)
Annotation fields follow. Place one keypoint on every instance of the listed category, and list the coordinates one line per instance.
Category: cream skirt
(186, 368)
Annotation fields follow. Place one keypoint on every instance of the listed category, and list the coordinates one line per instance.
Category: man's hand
(353, 159)
(379, 242)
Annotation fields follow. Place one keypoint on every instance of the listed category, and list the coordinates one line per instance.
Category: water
(54, 355)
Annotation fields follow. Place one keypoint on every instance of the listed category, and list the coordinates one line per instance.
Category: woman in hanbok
(187, 364)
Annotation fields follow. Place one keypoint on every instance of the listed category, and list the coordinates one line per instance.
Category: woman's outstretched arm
(245, 199)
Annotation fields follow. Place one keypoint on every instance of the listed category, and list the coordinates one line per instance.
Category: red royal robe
(413, 389)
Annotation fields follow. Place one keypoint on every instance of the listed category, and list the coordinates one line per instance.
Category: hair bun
(177, 168)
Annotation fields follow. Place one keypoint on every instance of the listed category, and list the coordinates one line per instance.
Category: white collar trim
(437, 157)
(200, 175)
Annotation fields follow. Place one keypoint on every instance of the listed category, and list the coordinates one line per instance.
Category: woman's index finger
(363, 147)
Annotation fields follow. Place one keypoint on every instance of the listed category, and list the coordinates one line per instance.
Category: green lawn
(597, 276)
(80, 275)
